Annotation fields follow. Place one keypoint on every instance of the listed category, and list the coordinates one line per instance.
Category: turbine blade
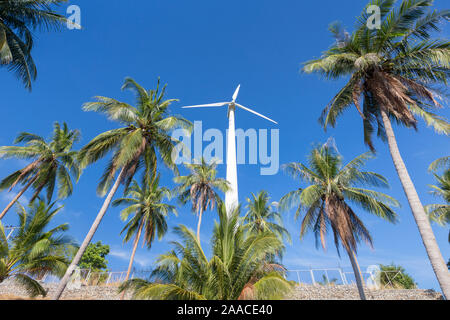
(235, 95)
(254, 112)
(220, 104)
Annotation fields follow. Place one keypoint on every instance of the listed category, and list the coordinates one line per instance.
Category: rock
(10, 290)
(350, 292)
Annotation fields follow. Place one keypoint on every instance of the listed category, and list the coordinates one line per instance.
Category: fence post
(88, 277)
(312, 277)
(343, 279)
(109, 278)
(326, 275)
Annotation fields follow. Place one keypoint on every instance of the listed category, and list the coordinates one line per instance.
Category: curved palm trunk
(358, 275)
(87, 240)
(199, 224)
(426, 232)
(17, 197)
(136, 242)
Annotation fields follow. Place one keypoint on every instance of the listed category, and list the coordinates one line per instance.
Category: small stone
(350, 292)
(9, 289)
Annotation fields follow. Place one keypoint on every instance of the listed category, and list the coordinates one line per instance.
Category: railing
(311, 276)
(337, 276)
(86, 277)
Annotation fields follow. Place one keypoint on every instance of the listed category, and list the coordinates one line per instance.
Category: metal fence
(338, 276)
(311, 276)
(87, 277)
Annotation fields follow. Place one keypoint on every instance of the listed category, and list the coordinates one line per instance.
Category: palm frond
(32, 287)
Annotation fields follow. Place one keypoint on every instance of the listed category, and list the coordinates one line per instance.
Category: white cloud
(6, 197)
(140, 259)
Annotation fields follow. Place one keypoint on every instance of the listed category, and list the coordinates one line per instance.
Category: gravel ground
(309, 292)
(9, 290)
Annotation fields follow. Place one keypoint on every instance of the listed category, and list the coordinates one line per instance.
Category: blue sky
(203, 50)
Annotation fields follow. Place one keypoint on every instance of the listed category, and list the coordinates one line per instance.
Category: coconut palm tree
(53, 164)
(201, 187)
(326, 201)
(392, 71)
(145, 133)
(440, 213)
(236, 270)
(146, 203)
(440, 163)
(393, 276)
(261, 216)
(36, 249)
(18, 21)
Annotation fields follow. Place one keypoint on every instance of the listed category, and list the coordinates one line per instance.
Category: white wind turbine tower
(231, 197)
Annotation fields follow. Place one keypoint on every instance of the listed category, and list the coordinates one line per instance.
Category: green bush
(393, 276)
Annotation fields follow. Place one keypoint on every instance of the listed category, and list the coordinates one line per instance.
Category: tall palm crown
(394, 72)
(36, 249)
(440, 213)
(146, 203)
(237, 269)
(391, 69)
(145, 132)
(261, 216)
(201, 187)
(53, 162)
(18, 20)
(331, 188)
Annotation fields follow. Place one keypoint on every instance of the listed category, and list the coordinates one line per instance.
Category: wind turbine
(231, 197)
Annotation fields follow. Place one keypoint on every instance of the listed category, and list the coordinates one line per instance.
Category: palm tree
(440, 213)
(201, 187)
(146, 204)
(36, 249)
(443, 162)
(18, 20)
(261, 216)
(327, 282)
(393, 276)
(236, 270)
(145, 133)
(52, 165)
(392, 71)
(326, 200)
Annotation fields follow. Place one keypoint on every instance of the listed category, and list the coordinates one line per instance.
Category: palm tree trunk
(89, 236)
(426, 232)
(133, 253)
(199, 224)
(16, 198)
(357, 272)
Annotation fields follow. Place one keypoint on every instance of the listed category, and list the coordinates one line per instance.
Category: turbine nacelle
(231, 106)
